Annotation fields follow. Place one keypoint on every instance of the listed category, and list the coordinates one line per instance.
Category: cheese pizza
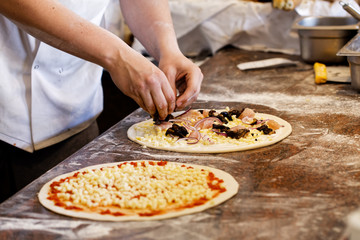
(137, 191)
(211, 131)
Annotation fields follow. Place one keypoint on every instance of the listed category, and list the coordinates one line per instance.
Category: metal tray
(322, 37)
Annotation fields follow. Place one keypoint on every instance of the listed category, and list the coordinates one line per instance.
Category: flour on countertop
(308, 104)
(341, 139)
(176, 155)
(73, 229)
(61, 227)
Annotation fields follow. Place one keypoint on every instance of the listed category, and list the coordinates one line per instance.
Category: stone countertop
(300, 188)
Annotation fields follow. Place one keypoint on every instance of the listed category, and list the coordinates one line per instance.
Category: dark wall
(116, 104)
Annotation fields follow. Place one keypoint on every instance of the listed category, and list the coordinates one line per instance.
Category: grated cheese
(138, 186)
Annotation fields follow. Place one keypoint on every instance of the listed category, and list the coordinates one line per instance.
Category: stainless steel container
(351, 50)
(322, 37)
(354, 63)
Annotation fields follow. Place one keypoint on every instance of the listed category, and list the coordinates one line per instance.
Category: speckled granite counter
(301, 188)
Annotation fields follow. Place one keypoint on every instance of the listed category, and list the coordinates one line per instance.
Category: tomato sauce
(139, 195)
(108, 212)
(216, 187)
(149, 214)
(162, 163)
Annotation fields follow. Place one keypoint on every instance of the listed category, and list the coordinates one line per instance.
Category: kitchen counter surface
(303, 187)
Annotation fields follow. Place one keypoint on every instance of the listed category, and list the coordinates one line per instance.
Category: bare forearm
(151, 87)
(53, 23)
(150, 21)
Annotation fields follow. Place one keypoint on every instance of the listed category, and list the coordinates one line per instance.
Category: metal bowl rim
(297, 26)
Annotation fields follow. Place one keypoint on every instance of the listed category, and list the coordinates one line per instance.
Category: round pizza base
(281, 133)
(230, 184)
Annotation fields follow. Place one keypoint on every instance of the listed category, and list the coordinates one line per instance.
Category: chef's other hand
(184, 76)
(144, 82)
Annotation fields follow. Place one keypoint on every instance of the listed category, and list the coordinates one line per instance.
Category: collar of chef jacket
(46, 95)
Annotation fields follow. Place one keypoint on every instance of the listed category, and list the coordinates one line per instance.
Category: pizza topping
(207, 122)
(190, 140)
(191, 115)
(237, 127)
(195, 134)
(157, 120)
(240, 133)
(273, 124)
(221, 128)
(205, 112)
(247, 112)
(221, 116)
(144, 188)
(265, 129)
(235, 112)
(249, 121)
(207, 127)
(236, 132)
(177, 130)
(163, 125)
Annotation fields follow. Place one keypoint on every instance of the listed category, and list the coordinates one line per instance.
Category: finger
(171, 77)
(182, 103)
(160, 102)
(148, 102)
(170, 96)
(181, 85)
(192, 90)
(140, 102)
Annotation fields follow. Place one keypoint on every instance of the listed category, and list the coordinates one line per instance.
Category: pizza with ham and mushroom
(137, 191)
(210, 131)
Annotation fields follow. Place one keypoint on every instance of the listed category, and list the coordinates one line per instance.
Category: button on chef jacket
(46, 95)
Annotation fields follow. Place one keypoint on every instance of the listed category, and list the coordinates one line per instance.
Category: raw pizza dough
(136, 131)
(229, 183)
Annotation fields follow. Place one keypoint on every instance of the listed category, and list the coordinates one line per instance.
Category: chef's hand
(144, 82)
(152, 25)
(184, 76)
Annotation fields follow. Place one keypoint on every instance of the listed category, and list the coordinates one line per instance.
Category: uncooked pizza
(210, 131)
(137, 190)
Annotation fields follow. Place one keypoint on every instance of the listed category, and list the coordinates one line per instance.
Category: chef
(52, 54)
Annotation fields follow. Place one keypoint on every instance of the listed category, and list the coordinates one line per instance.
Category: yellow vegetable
(320, 73)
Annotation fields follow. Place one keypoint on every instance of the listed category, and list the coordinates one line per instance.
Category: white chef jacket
(46, 95)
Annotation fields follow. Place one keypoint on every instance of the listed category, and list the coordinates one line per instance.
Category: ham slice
(273, 124)
(249, 113)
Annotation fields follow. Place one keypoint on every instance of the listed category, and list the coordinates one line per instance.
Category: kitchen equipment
(322, 37)
(351, 50)
(351, 10)
(354, 63)
(338, 74)
(266, 63)
(353, 225)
